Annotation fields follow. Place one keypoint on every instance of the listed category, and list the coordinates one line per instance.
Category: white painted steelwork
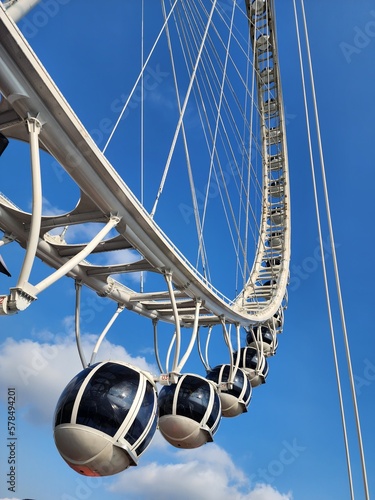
(28, 91)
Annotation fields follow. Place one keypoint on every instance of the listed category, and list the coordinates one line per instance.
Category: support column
(34, 128)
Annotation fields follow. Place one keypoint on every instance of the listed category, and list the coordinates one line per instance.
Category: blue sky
(289, 444)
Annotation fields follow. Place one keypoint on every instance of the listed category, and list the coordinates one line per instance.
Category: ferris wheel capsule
(272, 262)
(105, 418)
(277, 321)
(277, 187)
(254, 364)
(273, 135)
(263, 43)
(276, 216)
(236, 398)
(275, 162)
(189, 411)
(267, 76)
(258, 7)
(264, 334)
(271, 106)
(276, 239)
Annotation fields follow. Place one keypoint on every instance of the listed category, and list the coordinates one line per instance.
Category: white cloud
(85, 232)
(40, 369)
(49, 209)
(202, 474)
(267, 492)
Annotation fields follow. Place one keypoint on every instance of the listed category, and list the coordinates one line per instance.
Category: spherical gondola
(254, 364)
(275, 240)
(276, 323)
(258, 6)
(277, 186)
(264, 334)
(276, 216)
(106, 418)
(189, 411)
(236, 397)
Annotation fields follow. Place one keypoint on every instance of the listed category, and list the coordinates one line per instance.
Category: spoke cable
(138, 79)
(335, 264)
(184, 106)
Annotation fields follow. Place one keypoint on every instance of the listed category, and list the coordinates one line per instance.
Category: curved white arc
(70, 264)
(192, 339)
(170, 347)
(168, 278)
(21, 78)
(77, 324)
(273, 298)
(156, 344)
(234, 368)
(104, 333)
(34, 127)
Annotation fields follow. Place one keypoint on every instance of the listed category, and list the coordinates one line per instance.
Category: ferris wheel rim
(188, 281)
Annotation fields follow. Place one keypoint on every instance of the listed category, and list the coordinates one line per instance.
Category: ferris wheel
(204, 235)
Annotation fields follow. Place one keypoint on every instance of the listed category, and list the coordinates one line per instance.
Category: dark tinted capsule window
(250, 338)
(238, 383)
(193, 398)
(216, 409)
(247, 394)
(251, 358)
(108, 397)
(213, 375)
(143, 416)
(265, 369)
(65, 403)
(143, 445)
(165, 399)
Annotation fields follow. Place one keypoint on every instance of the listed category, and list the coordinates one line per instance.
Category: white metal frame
(105, 197)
